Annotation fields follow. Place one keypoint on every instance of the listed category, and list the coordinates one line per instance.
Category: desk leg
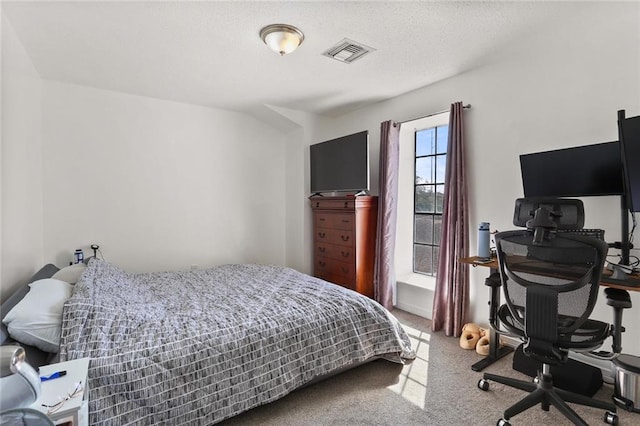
(495, 351)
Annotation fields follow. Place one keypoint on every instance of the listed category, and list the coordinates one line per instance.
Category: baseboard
(415, 310)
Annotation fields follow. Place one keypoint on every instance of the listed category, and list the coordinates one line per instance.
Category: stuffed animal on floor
(475, 337)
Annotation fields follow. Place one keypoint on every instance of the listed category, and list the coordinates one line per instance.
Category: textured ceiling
(209, 53)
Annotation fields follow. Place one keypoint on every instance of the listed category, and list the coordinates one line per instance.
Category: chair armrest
(618, 300)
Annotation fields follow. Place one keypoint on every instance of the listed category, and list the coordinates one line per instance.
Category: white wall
(21, 173)
(159, 185)
(560, 89)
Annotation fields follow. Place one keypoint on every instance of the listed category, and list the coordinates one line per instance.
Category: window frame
(437, 184)
(403, 262)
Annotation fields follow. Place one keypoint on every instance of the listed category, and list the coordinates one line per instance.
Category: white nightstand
(74, 409)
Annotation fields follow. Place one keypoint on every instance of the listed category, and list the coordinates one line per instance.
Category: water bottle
(79, 256)
(483, 241)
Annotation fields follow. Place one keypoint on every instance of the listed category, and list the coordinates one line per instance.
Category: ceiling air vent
(348, 51)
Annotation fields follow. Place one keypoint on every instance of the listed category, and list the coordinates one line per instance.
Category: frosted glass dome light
(281, 38)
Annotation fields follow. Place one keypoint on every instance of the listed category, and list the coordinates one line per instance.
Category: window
(423, 153)
(430, 165)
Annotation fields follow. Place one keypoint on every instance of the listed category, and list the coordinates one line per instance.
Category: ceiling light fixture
(281, 38)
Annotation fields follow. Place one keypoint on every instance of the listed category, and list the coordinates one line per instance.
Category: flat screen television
(341, 164)
(629, 129)
(589, 170)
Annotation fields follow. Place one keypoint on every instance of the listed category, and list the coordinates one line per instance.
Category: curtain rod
(467, 106)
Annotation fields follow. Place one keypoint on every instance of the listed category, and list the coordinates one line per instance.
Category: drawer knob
(317, 204)
(322, 234)
(322, 249)
(345, 254)
(322, 263)
(346, 204)
(346, 221)
(345, 270)
(321, 219)
(345, 238)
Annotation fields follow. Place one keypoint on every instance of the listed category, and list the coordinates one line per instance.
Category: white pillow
(70, 274)
(37, 319)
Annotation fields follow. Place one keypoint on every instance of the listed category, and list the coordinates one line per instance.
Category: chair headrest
(567, 213)
(543, 224)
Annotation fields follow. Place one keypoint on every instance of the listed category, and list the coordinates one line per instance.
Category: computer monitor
(629, 133)
(583, 171)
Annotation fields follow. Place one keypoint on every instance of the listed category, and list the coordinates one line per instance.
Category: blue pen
(53, 376)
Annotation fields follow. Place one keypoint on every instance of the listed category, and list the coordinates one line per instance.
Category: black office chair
(550, 282)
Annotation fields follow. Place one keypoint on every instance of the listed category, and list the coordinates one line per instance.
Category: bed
(201, 346)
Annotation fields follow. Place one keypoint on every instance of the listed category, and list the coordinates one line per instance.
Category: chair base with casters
(541, 391)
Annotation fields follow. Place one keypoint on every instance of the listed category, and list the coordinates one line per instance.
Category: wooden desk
(632, 283)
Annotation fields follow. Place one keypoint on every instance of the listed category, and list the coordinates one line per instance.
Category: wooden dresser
(344, 240)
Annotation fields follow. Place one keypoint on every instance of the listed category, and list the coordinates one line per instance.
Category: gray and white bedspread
(201, 346)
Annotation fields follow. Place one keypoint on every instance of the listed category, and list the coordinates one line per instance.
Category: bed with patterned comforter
(201, 346)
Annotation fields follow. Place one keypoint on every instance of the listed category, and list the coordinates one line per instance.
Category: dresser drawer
(334, 267)
(342, 273)
(334, 236)
(334, 220)
(332, 251)
(339, 280)
(330, 204)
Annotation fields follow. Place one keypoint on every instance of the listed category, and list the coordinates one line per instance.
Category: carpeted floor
(438, 388)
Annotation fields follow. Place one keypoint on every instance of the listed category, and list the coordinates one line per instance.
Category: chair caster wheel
(483, 384)
(611, 418)
(503, 422)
